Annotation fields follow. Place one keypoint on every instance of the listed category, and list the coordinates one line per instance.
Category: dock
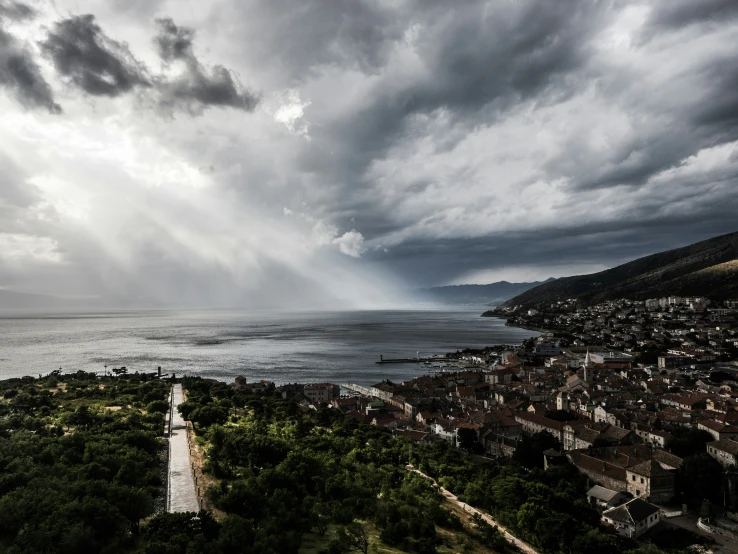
(357, 388)
(410, 360)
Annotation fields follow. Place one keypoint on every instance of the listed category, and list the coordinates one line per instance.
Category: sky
(338, 152)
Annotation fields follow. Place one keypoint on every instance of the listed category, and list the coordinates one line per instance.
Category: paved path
(523, 546)
(182, 497)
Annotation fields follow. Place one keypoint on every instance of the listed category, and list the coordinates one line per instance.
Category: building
(724, 451)
(533, 424)
(604, 498)
(650, 481)
(718, 430)
(320, 393)
(633, 518)
(383, 390)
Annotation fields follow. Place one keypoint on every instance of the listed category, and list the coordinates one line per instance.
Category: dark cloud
(297, 37)
(455, 138)
(480, 61)
(173, 42)
(198, 86)
(481, 54)
(21, 76)
(92, 61)
(16, 11)
(683, 13)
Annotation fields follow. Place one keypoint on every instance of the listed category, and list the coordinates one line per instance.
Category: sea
(304, 347)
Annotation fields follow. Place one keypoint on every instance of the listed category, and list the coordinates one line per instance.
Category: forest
(82, 463)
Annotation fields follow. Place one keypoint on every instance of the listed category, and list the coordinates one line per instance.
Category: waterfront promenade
(181, 486)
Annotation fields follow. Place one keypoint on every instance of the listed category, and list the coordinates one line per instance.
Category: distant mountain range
(493, 293)
(11, 300)
(707, 268)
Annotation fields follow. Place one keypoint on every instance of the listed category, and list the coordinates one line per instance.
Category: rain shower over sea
(283, 347)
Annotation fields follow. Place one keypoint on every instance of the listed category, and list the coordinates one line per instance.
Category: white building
(633, 518)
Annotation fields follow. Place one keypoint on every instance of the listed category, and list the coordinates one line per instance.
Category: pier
(416, 360)
(356, 388)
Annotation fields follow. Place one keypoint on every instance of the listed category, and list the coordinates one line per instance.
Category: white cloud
(16, 248)
(292, 110)
(350, 243)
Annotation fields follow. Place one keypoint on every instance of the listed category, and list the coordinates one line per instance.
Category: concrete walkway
(182, 497)
(523, 546)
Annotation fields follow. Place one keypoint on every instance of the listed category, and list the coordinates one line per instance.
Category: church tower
(587, 366)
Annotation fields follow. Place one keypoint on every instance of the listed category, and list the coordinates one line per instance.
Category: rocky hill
(707, 268)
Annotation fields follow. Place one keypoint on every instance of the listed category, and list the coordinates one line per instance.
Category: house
(467, 394)
(533, 423)
(320, 393)
(444, 429)
(383, 390)
(719, 430)
(604, 498)
(724, 451)
(649, 480)
(633, 518)
(346, 403)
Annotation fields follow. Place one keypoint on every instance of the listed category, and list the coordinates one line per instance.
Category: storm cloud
(196, 86)
(92, 61)
(390, 145)
(21, 76)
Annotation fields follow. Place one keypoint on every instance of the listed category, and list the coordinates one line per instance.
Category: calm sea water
(283, 347)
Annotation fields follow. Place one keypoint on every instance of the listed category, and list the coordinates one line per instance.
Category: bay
(282, 347)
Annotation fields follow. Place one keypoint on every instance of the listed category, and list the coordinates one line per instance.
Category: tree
(687, 442)
(351, 537)
(529, 451)
(135, 504)
(208, 415)
(157, 407)
(701, 476)
(468, 439)
(706, 510)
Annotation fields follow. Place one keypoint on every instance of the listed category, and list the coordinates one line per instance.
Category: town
(640, 396)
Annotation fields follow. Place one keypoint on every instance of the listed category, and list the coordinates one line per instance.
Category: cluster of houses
(685, 330)
(612, 414)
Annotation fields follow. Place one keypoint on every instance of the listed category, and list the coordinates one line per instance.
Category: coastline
(516, 326)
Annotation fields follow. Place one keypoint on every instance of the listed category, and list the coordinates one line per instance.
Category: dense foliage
(80, 462)
(81, 471)
(284, 472)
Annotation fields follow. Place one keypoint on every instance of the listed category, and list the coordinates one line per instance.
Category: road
(523, 546)
(689, 522)
(181, 497)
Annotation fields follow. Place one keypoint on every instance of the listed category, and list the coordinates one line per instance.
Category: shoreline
(508, 324)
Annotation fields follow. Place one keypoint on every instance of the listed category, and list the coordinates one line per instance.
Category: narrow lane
(523, 546)
(181, 490)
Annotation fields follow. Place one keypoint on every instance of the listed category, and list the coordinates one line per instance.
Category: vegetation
(285, 473)
(80, 462)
